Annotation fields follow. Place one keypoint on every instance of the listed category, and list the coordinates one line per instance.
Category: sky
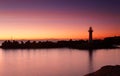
(58, 19)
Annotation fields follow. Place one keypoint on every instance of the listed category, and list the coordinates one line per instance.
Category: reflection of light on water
(55, 62)
(1, 53)
(1, 60)
(90, 60)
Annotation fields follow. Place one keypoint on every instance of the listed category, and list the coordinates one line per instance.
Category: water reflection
(55, 62)
(90, 56)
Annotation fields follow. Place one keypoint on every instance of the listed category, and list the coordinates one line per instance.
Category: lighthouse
(90, 34)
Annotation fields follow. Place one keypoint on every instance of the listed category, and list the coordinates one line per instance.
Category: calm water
(55, 62)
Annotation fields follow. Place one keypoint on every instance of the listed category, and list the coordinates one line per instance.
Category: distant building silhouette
(90, 34)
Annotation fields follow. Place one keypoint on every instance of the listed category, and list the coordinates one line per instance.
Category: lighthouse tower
(90, 34)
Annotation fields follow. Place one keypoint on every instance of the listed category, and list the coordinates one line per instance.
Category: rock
(107, 71)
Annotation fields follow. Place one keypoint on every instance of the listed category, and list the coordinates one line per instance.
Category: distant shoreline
(107, 43)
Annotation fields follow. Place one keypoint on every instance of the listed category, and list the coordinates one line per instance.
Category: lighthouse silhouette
(90, 35)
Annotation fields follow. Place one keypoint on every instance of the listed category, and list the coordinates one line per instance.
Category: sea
(55, 62)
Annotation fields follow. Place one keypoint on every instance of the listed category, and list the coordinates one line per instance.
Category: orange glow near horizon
(56, 25)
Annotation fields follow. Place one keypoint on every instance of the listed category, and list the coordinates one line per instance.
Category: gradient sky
(59, 19)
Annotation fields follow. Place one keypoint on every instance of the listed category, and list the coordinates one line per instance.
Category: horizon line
(57, 38)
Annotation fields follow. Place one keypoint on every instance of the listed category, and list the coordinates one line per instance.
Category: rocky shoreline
(109, 42)
(108, 70)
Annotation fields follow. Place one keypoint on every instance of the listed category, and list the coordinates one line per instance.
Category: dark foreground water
(55, 62)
